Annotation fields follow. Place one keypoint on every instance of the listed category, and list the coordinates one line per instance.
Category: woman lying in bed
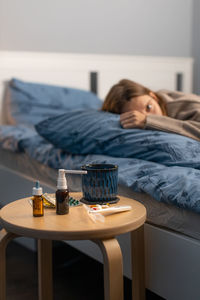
(139, 107)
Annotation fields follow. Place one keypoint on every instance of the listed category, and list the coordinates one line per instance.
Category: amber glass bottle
(38, 207)
(62, 202)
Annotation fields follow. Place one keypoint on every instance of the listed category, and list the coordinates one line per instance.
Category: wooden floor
(76, 276)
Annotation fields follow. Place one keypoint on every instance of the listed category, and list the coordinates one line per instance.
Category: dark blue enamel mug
(100, 183)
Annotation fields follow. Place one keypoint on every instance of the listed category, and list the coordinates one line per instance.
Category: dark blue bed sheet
(173, 184)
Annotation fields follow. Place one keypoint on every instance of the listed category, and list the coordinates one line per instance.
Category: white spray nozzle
(61, 181)
(74, 171)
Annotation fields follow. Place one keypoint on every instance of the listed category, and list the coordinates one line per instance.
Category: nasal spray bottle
(62, 193)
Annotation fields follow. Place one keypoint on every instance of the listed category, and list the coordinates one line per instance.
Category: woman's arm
(187, 128)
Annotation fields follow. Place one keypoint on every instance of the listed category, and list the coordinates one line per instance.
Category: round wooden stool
(17, 220)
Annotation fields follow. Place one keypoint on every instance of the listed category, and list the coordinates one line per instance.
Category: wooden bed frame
(172, 259)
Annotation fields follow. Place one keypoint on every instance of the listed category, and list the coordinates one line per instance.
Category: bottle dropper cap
(37, 190)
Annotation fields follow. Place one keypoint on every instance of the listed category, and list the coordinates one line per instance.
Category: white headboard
(99, 71)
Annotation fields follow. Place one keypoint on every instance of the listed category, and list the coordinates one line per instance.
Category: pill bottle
(38, 207)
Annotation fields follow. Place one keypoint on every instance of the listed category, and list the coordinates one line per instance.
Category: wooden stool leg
(138, 266)
(5, 237)
(45, 282)
(113, 269)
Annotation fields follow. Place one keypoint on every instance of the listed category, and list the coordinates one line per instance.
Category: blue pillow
(29, 103)
(98, 132)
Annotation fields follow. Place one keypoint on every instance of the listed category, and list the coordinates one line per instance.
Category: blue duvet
(173, 179)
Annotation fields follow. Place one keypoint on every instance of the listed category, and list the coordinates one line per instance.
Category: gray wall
(138, 27)
(1, 23)
(196, 45)
(147, 27)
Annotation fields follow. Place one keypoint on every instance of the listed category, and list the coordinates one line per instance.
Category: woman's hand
(133, 119)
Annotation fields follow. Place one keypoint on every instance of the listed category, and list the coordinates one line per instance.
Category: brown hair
(124, 91)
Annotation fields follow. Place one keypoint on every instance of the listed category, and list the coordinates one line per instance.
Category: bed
(172, 231)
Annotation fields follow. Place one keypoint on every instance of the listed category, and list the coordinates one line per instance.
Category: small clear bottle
(38, 206)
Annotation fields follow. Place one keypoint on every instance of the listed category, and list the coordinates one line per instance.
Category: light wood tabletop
(17, 220)
(17, 217)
